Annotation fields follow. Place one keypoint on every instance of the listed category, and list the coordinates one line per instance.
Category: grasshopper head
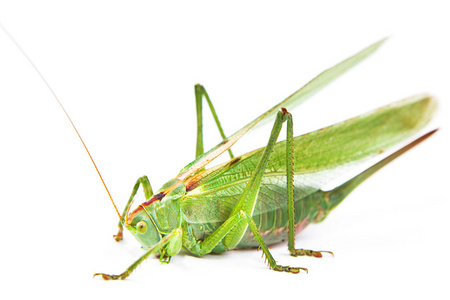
(158, 215)
(143, 228)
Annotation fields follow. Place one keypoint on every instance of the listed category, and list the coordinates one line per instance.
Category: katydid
(268, 195)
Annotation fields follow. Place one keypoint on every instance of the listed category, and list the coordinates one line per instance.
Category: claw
(293, 270)
(329, 252)
(300, 252)
(108, 277)
(119, 236)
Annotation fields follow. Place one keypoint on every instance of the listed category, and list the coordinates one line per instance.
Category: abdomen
(273, 225)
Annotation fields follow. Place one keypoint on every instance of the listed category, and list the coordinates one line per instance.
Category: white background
(125, 72)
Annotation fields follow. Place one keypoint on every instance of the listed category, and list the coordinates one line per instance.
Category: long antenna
(67, 115)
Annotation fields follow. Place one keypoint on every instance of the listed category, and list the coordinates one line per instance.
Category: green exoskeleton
(270, 194)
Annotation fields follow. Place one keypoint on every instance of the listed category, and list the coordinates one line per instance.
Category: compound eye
(141, 226)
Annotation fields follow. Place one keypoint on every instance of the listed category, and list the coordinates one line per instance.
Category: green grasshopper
(268, 195)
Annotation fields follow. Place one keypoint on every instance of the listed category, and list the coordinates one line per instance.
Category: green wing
(295, 99)
(320, 157)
